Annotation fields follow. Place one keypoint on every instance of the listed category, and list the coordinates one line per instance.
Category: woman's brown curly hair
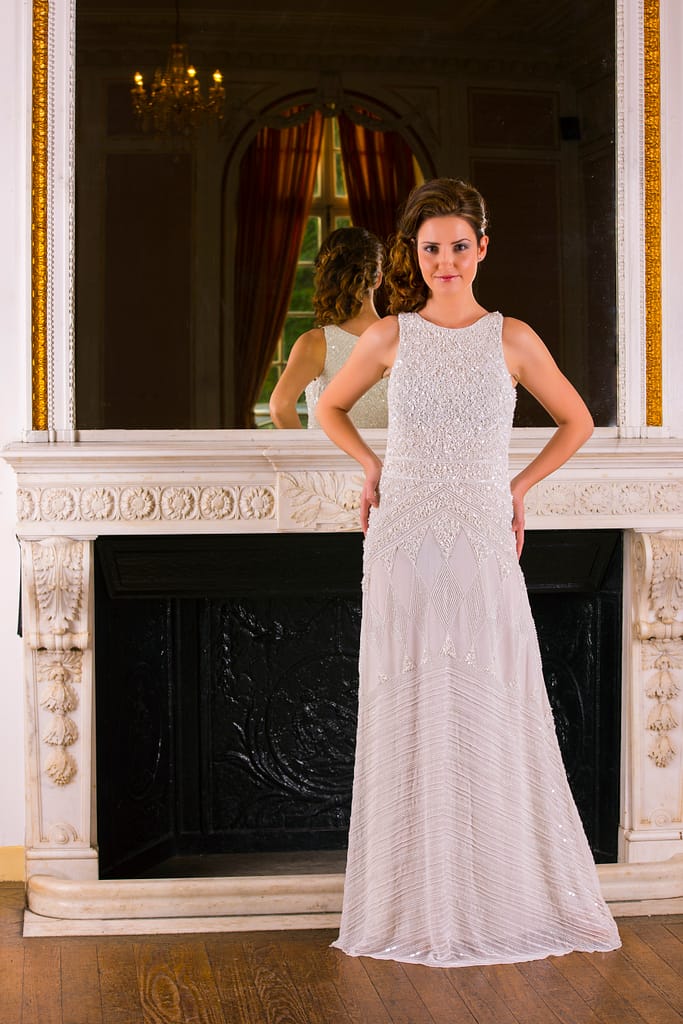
(440, 197)
(347, 266)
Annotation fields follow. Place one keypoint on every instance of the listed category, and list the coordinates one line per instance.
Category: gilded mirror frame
(53, 413)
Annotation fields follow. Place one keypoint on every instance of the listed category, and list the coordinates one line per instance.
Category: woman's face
(449, 253)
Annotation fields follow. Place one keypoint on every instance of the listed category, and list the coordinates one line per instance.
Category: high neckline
(466, 327)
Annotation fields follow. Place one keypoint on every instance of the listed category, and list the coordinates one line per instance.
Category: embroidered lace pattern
(371, 409)
(465, 844)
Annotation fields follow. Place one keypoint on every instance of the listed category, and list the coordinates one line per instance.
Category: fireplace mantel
(265, 482)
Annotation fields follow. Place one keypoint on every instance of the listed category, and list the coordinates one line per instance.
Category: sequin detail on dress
(371, 409)
(465, 844)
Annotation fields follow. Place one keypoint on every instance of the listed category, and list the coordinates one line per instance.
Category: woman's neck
(366, 316)
(459, 311)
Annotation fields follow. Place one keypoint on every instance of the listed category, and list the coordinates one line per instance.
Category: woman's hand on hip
(369, 497)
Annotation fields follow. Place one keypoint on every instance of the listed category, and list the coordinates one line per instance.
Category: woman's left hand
(518, 518)
(369, 497)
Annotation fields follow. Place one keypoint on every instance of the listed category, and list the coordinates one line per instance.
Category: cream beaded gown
(465, 844)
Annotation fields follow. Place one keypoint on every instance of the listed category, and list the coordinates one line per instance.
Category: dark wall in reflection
(517, 98)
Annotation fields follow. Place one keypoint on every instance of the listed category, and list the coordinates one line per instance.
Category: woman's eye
(461, 247)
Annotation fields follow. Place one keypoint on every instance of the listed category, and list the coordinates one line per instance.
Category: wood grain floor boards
(295, 978)
(11, 981)
(606, 1002)
(119, 990)
(399, 996)
(635, 988)
(558, 994)
(312, 968)
(176, 982)
(520, 997)
(199, 999)
(282, 1002)
(12, 905)
(437, 993)
(480, 996)
(664, 943)
(80, 983)
(664, 978)
(42, 988)
(357, 993)
(234, 981)
(160, 996)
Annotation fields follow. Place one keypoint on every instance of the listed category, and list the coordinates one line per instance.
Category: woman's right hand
(369, 497)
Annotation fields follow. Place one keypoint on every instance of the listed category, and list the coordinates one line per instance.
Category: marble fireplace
(256, 482)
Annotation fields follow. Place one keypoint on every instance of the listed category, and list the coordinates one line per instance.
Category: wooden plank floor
(295, 978)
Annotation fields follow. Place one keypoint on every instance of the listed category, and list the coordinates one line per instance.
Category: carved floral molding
(140, 503)
(60, 672)
(310, 499)
(322, 499)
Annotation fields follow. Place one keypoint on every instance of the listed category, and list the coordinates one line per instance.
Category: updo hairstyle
(440, 197)
(347, 267)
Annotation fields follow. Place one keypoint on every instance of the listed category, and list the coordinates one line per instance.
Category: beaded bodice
(371, 409)
(451, 398)
(451, 402)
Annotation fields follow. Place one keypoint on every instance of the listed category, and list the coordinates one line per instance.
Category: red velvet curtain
(277, 175)
(379, 171)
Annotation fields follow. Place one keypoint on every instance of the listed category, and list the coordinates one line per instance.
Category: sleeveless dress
(465, 844)
(371, 409)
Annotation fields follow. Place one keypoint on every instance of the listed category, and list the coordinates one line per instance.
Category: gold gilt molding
(39, 215)
(653, 214)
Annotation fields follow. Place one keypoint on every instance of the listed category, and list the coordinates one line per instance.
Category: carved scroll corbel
(658, 562)
(56, 575)
(659, 585)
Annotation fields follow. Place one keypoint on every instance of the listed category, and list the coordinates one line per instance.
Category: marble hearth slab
(258, 903)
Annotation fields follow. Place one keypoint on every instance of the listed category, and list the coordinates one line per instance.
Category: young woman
(465, 844)
(348, 269)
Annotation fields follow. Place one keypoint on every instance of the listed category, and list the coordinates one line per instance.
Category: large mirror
(189, 291)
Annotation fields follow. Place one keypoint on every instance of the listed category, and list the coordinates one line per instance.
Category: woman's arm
(372, 355)
(306, 362)
(531, 363)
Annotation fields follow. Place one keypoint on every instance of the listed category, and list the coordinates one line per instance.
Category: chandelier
(173, 102)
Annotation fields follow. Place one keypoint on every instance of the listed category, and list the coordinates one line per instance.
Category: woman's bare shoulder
(311, 339)
(379, 342)
(310, 345)
(517, 330)
(383, 332)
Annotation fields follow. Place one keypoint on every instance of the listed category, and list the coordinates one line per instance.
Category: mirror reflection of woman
(465, 845)
(348, 269)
